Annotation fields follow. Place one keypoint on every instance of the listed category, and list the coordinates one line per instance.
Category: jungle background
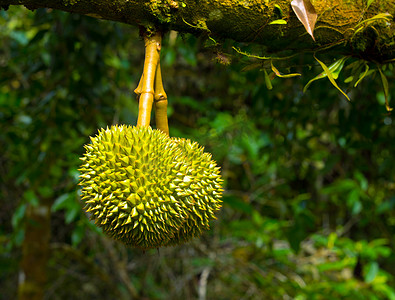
(308, 208)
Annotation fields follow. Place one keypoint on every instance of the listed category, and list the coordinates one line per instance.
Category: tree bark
(33, 272)
(341, 24)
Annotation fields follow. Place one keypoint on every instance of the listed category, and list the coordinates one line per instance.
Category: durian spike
(160, 103)
(145, 88)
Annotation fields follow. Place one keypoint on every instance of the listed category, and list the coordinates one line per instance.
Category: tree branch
(249, 21)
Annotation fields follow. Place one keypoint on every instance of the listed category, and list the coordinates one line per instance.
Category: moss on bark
(249, 21)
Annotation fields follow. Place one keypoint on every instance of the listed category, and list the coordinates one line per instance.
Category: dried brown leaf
(306, 14)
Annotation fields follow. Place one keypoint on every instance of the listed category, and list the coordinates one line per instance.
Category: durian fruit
(146, 189)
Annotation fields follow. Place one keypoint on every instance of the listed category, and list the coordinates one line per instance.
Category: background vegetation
(308, 209)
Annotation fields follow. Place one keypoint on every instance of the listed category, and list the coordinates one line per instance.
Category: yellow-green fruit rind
(146, 189)
(201, 189)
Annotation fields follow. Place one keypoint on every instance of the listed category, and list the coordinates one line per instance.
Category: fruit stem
(160, 103)
(145, 88)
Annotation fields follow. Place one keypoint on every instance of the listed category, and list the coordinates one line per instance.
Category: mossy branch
(250, 21)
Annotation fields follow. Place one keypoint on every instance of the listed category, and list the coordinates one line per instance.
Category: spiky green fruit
(147, 189)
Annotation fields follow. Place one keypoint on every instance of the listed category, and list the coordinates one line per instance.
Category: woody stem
(160, 103)
(145, 88)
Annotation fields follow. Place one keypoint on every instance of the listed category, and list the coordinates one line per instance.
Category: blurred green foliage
(309, 203)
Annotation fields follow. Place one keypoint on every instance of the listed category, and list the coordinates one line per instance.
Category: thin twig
(202, 290)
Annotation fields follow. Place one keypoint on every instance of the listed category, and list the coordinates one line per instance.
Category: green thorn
(140, 207)
(129, 220)
(134, 212)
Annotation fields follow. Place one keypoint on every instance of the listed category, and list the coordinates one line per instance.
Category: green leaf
(72, 214)
(340, 186)
(267, 80)
(77, 235)
(371, 271)
(362, 75)
(356, 208)
(18, 215)
(388, 291)
(61, 202)
(221, 122)
(353, 202)
(385, 86)
(257, 218)
(69, 203)
(279, 10)
(45, 191)
(349, 79)
(332, 72)
(332, 239)
(20, 37)
(369, 3)
(274, 69)
(31, 197)
(334, 68)
(335, 265)
(381, 16)
(278, 22)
